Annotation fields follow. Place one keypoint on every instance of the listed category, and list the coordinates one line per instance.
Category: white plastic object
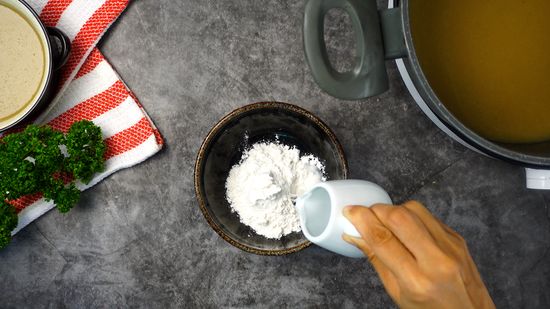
(537, 179)
(321, 217)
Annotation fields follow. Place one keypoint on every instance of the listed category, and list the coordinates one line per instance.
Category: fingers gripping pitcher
(321, 217)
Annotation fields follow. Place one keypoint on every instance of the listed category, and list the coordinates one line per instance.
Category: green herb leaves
(40, 159)
(8, 221)
(85, 148)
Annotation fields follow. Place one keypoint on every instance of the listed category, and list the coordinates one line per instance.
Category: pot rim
(413, 67)
(49, 68)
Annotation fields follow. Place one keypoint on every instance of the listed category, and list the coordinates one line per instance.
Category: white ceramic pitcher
(321, 217)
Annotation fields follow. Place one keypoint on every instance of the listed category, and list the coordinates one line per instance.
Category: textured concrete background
(138, 239)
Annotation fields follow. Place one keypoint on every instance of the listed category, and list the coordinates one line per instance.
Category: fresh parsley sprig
(43, 160)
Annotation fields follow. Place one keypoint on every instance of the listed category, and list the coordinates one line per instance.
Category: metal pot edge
(417, 85)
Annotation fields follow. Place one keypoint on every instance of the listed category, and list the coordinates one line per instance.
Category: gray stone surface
(138, 238)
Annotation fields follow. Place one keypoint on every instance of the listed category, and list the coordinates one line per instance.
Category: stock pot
(385, 34)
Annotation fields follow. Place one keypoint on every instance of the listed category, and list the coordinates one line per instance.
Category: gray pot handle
(369, 76)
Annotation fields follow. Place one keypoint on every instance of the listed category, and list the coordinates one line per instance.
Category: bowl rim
(213, 133)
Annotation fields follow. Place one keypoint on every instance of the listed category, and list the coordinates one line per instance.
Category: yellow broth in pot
(488, 61)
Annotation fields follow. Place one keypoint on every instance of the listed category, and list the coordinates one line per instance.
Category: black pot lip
(446, 117)
(43, 94)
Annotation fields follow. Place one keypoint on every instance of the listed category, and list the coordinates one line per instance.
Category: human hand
(422, 262)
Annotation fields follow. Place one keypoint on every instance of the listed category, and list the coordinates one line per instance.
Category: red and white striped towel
(91, 89)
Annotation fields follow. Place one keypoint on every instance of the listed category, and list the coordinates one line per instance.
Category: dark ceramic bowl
(223, 147)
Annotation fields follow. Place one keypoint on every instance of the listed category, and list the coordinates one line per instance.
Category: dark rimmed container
(385, 35)
(223, 147)
(57, 47)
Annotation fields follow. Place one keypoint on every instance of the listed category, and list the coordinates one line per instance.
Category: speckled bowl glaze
(223, 147)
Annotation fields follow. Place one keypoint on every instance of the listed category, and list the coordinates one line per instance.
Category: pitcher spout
(301, 207)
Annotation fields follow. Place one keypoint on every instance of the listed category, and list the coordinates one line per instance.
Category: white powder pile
(261, 189)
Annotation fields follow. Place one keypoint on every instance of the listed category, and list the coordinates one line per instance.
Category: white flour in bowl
(262, 187)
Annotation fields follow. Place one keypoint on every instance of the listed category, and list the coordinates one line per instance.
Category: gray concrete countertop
(138, 238)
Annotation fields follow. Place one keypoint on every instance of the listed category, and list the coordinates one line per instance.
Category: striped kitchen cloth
(90, 89)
